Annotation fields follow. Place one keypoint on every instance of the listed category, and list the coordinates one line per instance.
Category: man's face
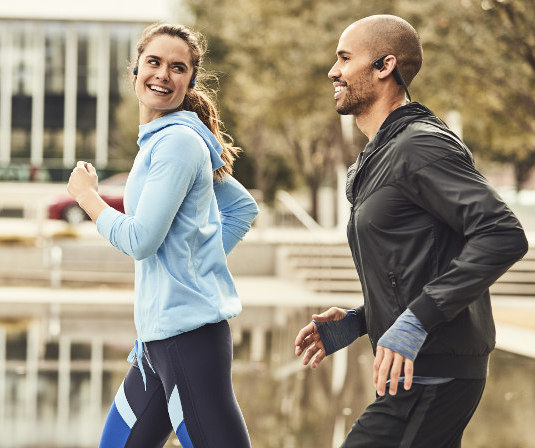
(352, 74)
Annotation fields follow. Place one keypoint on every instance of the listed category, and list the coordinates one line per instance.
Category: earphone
(134, 71)
(379, 63)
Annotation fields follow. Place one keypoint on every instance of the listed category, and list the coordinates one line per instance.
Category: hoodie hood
(399, 119)
(191, 120)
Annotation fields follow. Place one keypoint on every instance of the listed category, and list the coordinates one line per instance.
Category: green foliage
(276, 98)
(273, 57)
(480, 59)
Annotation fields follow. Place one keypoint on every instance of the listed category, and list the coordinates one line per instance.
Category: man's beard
(357, 102)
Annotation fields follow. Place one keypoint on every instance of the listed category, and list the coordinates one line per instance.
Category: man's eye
(178, 68)
(153, 62)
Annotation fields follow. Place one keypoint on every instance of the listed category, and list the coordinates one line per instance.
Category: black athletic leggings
(190, 387)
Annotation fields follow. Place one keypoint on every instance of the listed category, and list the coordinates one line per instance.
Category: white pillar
(343, 206)
(38, 95)
(339, 373)
(103, 97)
(454, 120)
(347, 123)
(3, 429)
(71, 86)
(258, 344)
(32, 359)
(339, 431)
(6, 92)
(64, 387)
(97, 369)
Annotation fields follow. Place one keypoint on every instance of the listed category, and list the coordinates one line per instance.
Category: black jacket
(429, 233)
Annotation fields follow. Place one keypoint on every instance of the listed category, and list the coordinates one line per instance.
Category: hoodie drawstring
(137, 354)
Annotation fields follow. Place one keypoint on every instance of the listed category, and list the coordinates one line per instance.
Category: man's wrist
(406, 336)
(337, 334)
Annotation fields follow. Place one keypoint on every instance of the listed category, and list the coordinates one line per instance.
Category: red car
(110, 189)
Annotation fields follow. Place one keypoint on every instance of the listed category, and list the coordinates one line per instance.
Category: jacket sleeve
(171, 175)
(454, 192)
(237, 208)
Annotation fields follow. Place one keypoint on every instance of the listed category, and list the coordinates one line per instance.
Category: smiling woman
(183, 214)
(164, 73)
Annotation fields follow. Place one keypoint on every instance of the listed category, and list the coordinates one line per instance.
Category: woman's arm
(174, 164)
(238, 210)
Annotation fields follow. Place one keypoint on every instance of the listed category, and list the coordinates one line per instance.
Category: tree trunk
(314, 199)
(522, 170)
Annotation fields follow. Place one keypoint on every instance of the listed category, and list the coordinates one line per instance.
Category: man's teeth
(339, 88)
(160, 89)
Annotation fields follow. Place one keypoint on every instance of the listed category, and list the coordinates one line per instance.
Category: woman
(184, 213)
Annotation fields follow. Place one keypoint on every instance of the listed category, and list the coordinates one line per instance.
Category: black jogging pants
(424, 416)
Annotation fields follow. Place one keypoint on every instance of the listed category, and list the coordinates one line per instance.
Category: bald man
(428, 236)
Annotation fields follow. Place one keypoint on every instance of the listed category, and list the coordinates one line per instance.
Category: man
(428, 237)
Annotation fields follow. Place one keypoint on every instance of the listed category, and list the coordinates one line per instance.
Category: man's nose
(334, 72)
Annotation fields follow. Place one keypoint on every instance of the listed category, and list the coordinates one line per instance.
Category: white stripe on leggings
(175, 409)
(124, 408)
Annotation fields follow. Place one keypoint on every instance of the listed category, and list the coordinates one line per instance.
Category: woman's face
(163, 76)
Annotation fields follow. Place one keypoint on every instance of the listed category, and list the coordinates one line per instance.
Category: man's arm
(449, 188)
(439, 177)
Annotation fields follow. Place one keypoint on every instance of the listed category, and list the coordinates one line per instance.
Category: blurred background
(66, 317)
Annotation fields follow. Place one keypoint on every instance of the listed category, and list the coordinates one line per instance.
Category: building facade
(61, 82)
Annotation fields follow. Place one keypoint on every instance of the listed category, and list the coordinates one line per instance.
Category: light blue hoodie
(179, 225)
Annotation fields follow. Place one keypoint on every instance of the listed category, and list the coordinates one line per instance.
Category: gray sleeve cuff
(337, 334)
(406, 336)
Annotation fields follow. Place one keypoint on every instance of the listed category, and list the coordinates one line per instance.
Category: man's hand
(387, 361)
(308, 339)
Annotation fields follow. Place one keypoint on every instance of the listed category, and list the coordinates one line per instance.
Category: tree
(275, 93)
(480, 59)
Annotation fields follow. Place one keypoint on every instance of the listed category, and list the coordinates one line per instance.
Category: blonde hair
(199, 98)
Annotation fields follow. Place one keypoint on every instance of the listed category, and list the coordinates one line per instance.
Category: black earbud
(134, 71)
(378, 64)
(192, 82)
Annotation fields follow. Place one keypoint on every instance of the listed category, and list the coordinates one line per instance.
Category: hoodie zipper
(395, 289)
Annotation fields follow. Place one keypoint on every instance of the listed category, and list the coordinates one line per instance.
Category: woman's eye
(153, 62)
(178, 68)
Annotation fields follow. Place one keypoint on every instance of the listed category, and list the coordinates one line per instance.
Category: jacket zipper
(394, 285)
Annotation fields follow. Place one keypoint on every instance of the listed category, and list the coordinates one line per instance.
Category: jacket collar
(396, 121)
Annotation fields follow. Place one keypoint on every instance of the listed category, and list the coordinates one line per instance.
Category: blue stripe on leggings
(116, 430)
(183, 436)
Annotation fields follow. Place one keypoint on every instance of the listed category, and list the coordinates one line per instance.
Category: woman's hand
(83, 186)
(83, 181)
